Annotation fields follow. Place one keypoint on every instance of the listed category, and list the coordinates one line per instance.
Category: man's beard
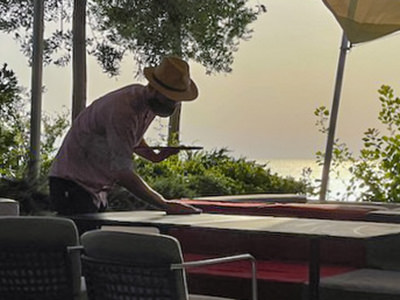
(160, 109)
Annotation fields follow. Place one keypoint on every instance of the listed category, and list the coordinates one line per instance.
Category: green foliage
(213, 173)
(376, 169)
(11, 124)
(16, 18)
(341, 152)
(14, 142)
(207, 31)
(207, 173)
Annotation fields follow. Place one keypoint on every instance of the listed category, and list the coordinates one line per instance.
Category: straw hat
(172, 79)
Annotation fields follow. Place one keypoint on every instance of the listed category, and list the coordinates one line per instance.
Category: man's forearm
(136, 185)
(146, 152)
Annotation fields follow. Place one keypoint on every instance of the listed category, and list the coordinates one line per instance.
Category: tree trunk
(174, 126)
(175, 119)
(79, 58)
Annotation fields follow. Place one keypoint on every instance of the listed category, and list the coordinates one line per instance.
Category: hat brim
(190, 94)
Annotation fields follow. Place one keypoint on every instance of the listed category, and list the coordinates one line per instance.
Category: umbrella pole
(36, 94)
(333, 118)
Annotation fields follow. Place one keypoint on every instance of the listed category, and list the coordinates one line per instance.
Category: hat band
(167, 86)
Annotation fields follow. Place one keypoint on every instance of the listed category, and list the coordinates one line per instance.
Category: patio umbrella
(361, 21)
(36, 90)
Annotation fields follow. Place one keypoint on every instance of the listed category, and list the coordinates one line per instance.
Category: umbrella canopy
(366, 20)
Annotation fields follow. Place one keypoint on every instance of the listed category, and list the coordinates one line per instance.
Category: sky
(263, 109)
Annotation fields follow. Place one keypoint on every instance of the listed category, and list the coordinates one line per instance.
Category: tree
(14, 146)
(14, 130)
(376, 169)
(10, 100)
(207, 31)
(17, 18)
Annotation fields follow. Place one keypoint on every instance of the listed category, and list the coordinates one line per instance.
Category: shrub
(210, 173)
(376, 169)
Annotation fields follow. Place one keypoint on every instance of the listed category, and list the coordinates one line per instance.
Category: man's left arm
(146, 152)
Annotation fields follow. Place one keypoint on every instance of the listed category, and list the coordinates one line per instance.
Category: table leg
(313, 271)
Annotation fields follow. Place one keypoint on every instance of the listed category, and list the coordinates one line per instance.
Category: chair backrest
(121, 265)
(34, 259)
(132, 229)
(9, 207)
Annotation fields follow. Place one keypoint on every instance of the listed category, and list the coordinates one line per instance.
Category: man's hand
(174, 207)
(148, 153)
(167, 152)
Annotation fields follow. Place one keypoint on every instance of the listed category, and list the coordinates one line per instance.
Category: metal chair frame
(221, 260)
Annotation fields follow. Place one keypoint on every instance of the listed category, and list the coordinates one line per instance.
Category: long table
(312, 229)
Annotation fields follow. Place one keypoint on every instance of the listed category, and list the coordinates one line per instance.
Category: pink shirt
(102, 139)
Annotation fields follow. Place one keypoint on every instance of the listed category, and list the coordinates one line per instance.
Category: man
(97, 151)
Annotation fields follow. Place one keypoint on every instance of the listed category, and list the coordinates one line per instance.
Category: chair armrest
(225, 259)
(78, 248)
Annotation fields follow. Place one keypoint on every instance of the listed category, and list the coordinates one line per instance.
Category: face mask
(163, 108)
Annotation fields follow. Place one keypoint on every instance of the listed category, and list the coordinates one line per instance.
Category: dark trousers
(69, 198)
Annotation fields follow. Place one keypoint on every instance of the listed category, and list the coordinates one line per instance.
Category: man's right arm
(136, 185)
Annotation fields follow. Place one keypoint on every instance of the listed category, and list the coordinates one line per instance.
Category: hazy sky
(264, 108)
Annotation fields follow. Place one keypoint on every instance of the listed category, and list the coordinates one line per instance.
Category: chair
(121, 265)
(35, 261)
(9, 207)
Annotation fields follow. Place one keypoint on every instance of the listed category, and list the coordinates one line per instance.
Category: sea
(295, 168)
